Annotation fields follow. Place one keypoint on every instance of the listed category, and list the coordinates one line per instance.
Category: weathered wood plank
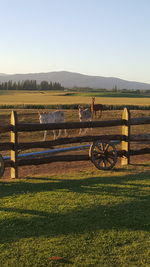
(125, 145)
(140, 121)
(121, 153)
(6, 146)
(8, 163)
(69, 158)
(69, 140)
(27, 127)
(22, 127)
(49, 159)
(140, 137)
(5, 128)
(14, 140)
(139, 151)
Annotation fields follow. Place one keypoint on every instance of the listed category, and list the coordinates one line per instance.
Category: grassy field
(113, 94)
(57, 98)
(90, 218)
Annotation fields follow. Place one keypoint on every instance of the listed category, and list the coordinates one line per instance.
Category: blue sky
(96, 37)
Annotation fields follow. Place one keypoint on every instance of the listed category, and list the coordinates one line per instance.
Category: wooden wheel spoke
(112, 156)
(99, 161)
(107, 146)
(109, 161)
(104, 162)
(97, 154)
(99, 147)
(103, 146)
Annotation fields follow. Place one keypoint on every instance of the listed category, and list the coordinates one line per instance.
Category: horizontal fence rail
(138, 152)
(139, 121)
(29, 127)
(72, 140)
(69, 140)
(76, 125)
(69, 158)
(140, 137)
(6, 128)
(50, 159)
(6, 146)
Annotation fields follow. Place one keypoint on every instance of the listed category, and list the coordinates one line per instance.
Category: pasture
(72, 210)
(61, 97)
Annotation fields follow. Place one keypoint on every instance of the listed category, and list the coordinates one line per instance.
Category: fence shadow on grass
(85, 185)
(131, 216)
(132, 213)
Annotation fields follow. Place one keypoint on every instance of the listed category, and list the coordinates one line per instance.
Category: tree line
(30, 85)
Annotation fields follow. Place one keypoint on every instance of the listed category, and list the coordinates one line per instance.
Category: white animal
(84, 115)
(52, 117)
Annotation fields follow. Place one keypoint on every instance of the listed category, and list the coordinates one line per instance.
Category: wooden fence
(125, 138)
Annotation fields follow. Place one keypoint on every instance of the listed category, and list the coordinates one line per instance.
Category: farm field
(59, 98)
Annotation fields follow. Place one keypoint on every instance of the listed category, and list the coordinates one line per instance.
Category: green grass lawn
(90, 218)
(111, 94)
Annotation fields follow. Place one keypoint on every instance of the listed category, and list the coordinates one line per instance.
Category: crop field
(71, 214)
(113, 94)
(61, 97)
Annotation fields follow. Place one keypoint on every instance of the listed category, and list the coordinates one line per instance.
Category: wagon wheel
(103, 155)
(2, 166)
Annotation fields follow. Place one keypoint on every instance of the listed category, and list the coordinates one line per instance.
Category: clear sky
(108, 38)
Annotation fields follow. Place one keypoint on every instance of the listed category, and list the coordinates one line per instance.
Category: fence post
(14, 140)
(125, 145)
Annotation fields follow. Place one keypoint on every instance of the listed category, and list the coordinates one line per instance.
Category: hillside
(70, 80)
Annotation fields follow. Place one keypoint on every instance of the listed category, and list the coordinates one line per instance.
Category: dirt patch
(68, 167)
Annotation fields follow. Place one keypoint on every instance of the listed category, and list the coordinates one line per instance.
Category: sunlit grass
(90, 218)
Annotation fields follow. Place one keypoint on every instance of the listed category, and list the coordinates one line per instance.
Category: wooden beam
(140, 137)
(6, 146)
(5, 128)
(49, 159)
(143, 151)
(14, 141)
(69, 140)
(125, 145)
(29, 127)
(139, 151)
(140, 121)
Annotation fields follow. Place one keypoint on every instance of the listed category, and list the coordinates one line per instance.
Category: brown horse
(96, 108)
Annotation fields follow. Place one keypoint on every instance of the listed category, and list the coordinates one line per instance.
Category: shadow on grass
(85, 185)
(140, 165)
(132, 215)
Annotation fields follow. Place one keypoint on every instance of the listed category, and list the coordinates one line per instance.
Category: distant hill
(70, 80)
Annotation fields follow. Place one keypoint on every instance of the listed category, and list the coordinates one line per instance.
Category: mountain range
(71, 80)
